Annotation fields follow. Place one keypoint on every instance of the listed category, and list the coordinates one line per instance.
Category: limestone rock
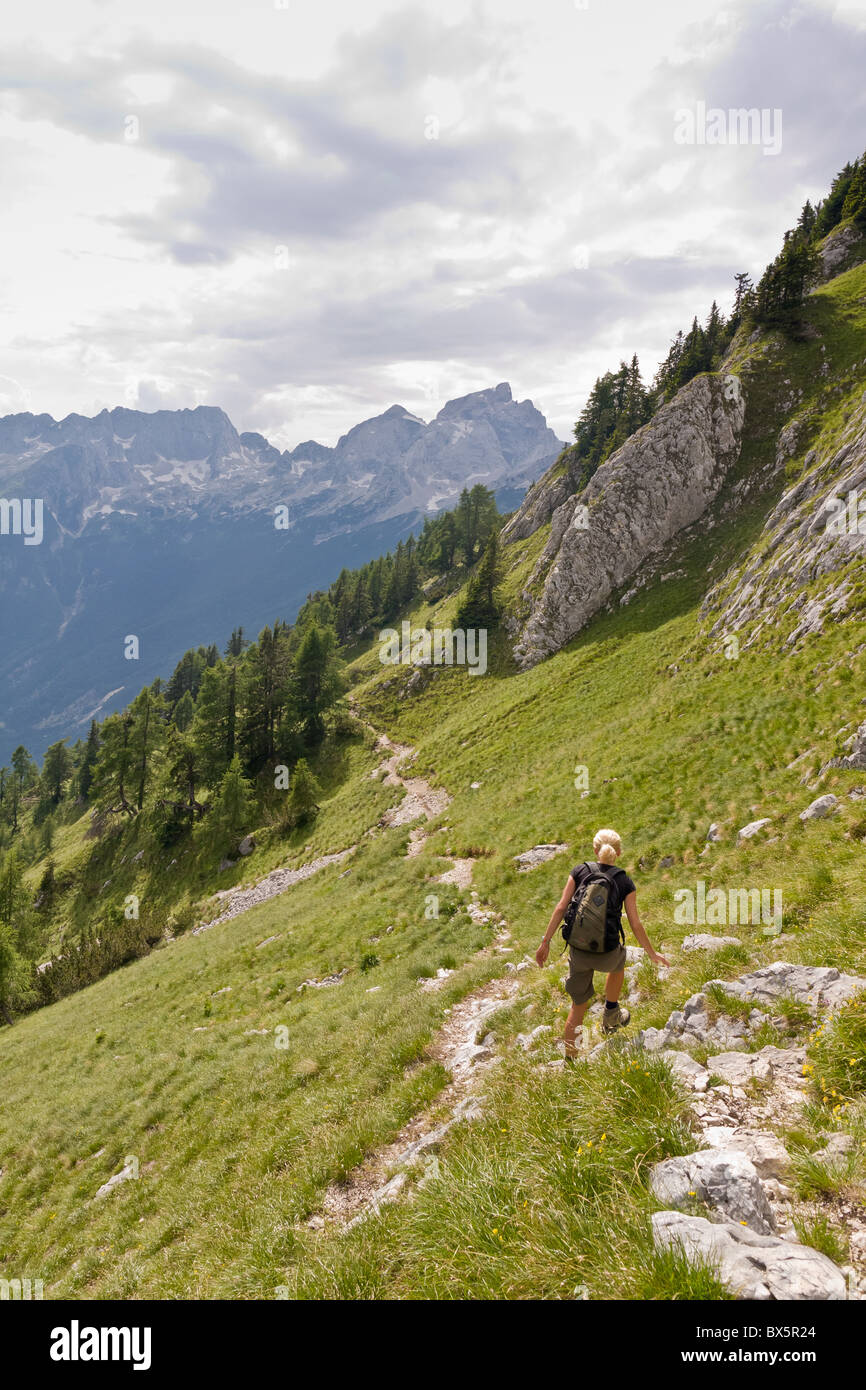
(704, 941)
(738, 1068)
(801, 567)
(753, 1266)
(686, 1069)
(126, 1174)
(765, 1150)
(659, 482)
(725, 1179)
(539, 854)
(748, 832)
(820, 986)
(528, 1040)
(856, 755)
(820, 807)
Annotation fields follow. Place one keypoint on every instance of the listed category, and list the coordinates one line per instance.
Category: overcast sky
(306, 211)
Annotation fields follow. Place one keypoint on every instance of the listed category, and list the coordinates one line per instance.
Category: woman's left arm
(558, 913)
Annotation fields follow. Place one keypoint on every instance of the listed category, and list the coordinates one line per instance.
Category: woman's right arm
(639, 930)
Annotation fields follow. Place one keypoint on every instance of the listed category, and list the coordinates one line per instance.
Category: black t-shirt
(622, 886)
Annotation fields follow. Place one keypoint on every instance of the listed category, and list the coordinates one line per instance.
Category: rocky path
(277, 881)
(464, 1047)
(730, 1201)
(421, 802)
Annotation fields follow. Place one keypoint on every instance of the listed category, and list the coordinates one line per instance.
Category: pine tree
(236, 643)
(266, 676)
(181, 778)
(480, 607)
(56, 771)
(115, 770)
(744, 297)
(214, 726)
(361, 606)
(316, 682)
(232, 807)
(304, 794)
(146, 735)
(184, 712)
(88, 764)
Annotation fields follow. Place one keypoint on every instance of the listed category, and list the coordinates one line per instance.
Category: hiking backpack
(584, 925)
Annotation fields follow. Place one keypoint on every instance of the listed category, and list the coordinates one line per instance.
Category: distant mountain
(163, 526)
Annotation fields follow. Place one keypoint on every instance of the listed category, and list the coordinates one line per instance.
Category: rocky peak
(659, 482)
(476, 403)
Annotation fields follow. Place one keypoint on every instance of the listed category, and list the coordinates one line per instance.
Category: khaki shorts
(583, 964)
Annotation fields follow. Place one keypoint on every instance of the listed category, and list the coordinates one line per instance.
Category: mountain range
(173, 527)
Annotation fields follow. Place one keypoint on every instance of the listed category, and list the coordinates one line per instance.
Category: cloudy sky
(306, 210)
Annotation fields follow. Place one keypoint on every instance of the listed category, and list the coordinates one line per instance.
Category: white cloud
(285, 239)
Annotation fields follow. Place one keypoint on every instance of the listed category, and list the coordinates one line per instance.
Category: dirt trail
(421, 802)
(463, 1048)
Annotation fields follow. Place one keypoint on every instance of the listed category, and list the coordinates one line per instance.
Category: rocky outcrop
(538, 506)
(539, 854)
(856, 755)
(752, 1265)
(820, 987)
(662, 480)
(801, 574)
(842, 248)
(724, 1179)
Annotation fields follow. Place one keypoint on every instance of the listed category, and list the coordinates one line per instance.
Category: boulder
(725, 1179)
(765, 1150)
(753, 1266)
(715, 832)
(748, 832)
(738, 1068)
(705, 941)
(821, 986)
(686, 1069)
(856, 755)
(528, 1040)
(820, 807)
(247, 845)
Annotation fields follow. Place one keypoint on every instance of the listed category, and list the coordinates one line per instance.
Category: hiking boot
(612, 1019)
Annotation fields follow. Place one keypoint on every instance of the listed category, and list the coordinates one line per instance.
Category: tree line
(620, 403)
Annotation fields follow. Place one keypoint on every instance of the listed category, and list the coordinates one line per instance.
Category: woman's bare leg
(614, 985)
(572, 1023)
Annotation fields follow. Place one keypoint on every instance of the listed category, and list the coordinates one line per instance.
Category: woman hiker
(607, 847)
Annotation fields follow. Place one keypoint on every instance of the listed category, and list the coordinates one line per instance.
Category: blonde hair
(607, 845)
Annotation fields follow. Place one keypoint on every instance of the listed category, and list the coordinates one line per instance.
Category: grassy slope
(236, 1138)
